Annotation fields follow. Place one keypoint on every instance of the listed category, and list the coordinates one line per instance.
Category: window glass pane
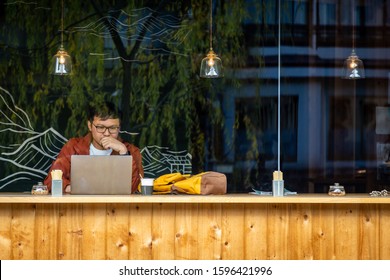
(327, 13)
(331, 129)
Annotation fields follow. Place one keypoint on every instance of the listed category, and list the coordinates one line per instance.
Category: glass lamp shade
(61, 63)
(211, 66)
(353, 67)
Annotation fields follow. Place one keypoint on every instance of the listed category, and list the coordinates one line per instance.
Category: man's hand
(112, 143)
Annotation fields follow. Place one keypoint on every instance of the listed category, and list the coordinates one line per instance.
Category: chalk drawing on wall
(26, 155)
(160, 160)
(156, 30)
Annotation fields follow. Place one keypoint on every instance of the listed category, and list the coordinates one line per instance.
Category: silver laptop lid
(101, 174)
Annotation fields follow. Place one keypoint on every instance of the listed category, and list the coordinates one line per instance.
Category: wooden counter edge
(227, 198)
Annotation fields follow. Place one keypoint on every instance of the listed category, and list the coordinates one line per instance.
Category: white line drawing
(160, 160)
(158, 31)
(30, 157)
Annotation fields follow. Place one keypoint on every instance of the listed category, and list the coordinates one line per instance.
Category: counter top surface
(319, 198)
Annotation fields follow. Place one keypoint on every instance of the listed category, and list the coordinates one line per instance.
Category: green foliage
(168, 104)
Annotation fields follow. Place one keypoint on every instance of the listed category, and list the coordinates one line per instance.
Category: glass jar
(39, 188)
(336, 190)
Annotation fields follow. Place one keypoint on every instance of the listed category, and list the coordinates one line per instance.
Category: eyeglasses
(102, 129)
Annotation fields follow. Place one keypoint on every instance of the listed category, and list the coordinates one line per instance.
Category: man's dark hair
(104, 111)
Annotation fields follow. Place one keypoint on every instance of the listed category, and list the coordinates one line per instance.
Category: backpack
(209, 182)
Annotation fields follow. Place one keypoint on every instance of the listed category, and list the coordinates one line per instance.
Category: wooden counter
(234, 226)
(228, 198)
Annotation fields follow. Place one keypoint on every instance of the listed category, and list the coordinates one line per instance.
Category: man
(102, 139)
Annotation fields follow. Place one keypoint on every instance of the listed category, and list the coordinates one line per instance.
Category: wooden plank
(186, 232)
(140, 232)
(233, 230)
(118, 225)
(5, 232)
(256, 231)
(323, 232)
(94, 230)
(209, 232)
(384, 232)
(23, 231)
(163, 231)
(46, 227)
(300, 225)
(369, 232)
(70, 231)
(277, 235)
(346, 234)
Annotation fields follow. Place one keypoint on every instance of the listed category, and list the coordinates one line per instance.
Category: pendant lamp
(353, 66)
(61, 62)
(211, 66)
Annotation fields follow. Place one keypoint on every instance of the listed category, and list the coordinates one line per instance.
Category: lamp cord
(353, 25)
(211, 25)
(279, 88)
(62, 23)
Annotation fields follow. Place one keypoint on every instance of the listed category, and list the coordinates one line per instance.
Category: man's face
(103, 128)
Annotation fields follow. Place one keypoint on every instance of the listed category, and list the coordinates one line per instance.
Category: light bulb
(353, 64)
(62, 59)
(211, 62)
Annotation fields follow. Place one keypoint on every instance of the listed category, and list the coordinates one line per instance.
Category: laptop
(99, 175)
